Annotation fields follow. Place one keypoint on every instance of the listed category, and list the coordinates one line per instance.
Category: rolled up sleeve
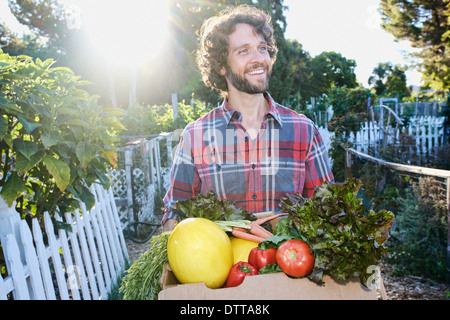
(184, 178)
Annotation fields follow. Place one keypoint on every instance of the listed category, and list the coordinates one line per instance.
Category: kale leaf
(210, 207)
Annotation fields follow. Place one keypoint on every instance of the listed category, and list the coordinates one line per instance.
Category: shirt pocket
(288, 176)
(222, 178)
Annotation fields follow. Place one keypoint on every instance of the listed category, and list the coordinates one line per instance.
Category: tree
(389, 80)
(396, 82)
(378, 77)
(426, 24)
(55, 139)
(300, 63)
(331, 69)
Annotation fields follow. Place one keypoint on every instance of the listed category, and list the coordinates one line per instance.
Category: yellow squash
(241, 249)
(198, 250)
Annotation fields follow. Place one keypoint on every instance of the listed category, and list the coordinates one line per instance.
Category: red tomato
(294, 258)
(260, 258)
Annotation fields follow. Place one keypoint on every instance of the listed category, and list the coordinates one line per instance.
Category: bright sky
(350, 27)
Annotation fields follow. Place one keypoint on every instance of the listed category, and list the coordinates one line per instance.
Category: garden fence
(83, 264)
(141, 176)
(426, 136)
(426, 132)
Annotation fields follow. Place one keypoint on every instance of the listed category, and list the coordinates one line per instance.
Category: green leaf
(12, 76)
(59, 170)
(270, 268)
(39, 62)
(3, 127)
(47, 63)
(84, 152)
(13, 188)
(49, 139)
(28, 125)
(210, 207)
(26, 148)
(23, 164)
(61, 69)
(114, 124)
(78, 122)
(84, 195)
(7, 106)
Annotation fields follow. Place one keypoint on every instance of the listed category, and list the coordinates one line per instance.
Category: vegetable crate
(273, 286)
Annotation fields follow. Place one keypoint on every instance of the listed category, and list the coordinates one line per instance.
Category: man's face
(249, 63)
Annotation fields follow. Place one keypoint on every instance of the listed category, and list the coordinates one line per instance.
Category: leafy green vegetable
(345, 240)
(212, 208)
(282, 232)
(270, 268)
(142, 279)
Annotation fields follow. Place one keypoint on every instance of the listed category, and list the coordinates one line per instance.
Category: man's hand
(169, 225)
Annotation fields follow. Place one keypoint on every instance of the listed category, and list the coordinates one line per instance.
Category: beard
(243, 85)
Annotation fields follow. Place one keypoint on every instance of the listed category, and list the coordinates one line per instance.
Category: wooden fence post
(348, 164)
(129, 175)
(448, 229)
(175, 105)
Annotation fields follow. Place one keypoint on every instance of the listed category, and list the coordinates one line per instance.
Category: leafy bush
(145, 120)
(55, 140)
(349, 109)
(349, 112)
(420, 236)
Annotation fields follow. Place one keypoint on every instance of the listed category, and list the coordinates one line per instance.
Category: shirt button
(253, 166)
(254, 196)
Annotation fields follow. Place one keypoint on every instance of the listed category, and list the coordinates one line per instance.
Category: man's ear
(223, 71)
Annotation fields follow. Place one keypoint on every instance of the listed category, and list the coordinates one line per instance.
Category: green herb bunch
(345, 239)
(142, 279)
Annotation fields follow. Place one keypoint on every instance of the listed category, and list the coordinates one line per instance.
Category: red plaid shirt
(216, 153)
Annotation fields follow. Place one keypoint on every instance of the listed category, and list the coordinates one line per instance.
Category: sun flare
(125, 31)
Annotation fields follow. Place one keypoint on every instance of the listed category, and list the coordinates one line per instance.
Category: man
(249, 150)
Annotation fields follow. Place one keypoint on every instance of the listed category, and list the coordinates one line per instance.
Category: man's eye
(263, 48)
(243, 51)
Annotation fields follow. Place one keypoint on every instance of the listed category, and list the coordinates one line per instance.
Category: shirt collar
(229, 112)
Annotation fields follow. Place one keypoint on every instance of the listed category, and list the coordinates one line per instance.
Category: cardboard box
(275, 286)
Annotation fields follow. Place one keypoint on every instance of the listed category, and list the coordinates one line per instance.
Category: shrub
(420, 236)
(55, 139)
(146, 120)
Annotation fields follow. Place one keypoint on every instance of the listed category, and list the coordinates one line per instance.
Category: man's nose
(257, 55)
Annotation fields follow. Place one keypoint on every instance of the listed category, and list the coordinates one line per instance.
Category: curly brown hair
(213, 50)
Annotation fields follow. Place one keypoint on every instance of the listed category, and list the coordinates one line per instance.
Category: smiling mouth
(257, 71)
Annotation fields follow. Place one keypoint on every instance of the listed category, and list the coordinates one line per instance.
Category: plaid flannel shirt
(216, 153)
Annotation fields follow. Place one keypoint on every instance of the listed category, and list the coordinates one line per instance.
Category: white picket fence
(427, 133)
(82, 264)
(142, 177)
